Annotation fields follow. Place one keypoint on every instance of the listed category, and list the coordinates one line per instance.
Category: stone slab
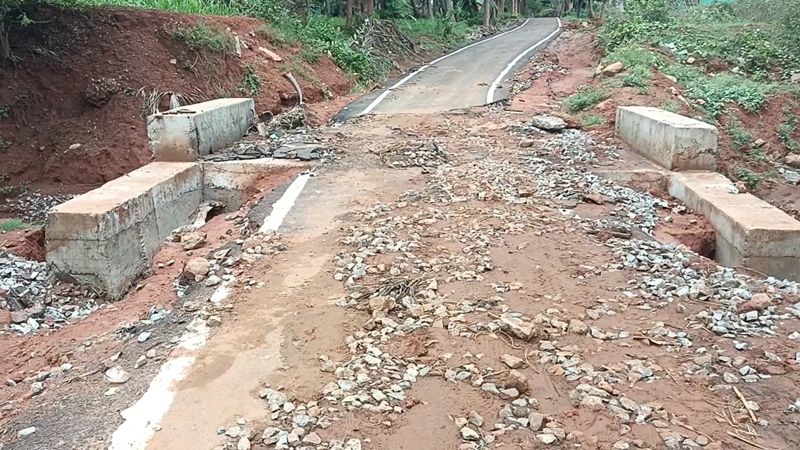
(188, 132)
(675, 142)
(106, 237)
(750, 232)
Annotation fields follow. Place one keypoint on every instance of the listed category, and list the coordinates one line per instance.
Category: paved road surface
(470, 76)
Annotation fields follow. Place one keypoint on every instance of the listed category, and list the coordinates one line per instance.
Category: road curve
(470, 76)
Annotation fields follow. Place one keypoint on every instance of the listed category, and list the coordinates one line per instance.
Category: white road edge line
(499, 79)
(405, 79)
(282, 207)
(142, 419)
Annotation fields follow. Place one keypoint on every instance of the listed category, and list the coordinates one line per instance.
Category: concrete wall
(750, 232)
(673, 141)
(188, 132)
(232, 182)
(106, 238)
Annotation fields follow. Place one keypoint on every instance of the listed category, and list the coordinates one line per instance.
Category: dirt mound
(72, 107)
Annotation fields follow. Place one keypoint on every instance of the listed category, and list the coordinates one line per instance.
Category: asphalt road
(470, 76)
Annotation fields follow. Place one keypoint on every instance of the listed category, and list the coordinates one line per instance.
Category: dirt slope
(77, 60)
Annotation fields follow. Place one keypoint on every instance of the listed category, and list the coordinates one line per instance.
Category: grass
(669, 105)
(746, 175)
(584, 99)
(208, 7)
(201, 37)
(785, 131)
(739, 136)
(435, 34)
(251, 82)
(282, 36)
(638, 62)
(589, 120)
(12, 225)
(713, 93)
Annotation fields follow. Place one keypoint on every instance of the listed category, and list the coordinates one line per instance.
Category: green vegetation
(206, 38)
(320, 28)
(584, 99)
(250, 85)
(746, 175)
(12, 225)
(739, 136)
(719, 54)
(589, 120)
(786, 131)
(669, 105)
(639, 63)
(436, 34)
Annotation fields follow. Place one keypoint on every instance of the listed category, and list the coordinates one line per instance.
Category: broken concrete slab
(188, 132)
(232, 182)
(638, 178)
(676, 142)
(750, 232)
(105, 238)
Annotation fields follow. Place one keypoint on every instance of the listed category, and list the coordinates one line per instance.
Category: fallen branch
(746, 441)
(296, 85)
(744, 403)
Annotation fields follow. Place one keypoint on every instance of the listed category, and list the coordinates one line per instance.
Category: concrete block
(233, 182)
(675, 142)
(107, 237)
(637, 178)
(188, 132)
(750, 232)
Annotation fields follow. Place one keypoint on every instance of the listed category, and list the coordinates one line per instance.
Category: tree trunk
(448, 6)
(590, 9)
(501, 7)
(349, 13)
(487, 12)
(603, 8)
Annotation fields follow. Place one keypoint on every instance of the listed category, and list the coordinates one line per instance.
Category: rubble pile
(32, 207)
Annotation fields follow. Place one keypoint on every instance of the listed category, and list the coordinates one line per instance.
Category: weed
(435, 34)
(251, 82)
(201, 37)
(785, 131)
(209, 7)
(282, 35)
(755, 155)
(746, 175)
(12, 225)
(669, 105)
(739, 136)
(584, 99)
(589, 120)
(5, 112)
(712, 93)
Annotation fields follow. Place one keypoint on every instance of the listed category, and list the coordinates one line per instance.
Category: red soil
(76, 53)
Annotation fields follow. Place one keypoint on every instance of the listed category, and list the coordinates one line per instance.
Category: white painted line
(499, 79)
(143, 417)
(282, 207)
(385, 93)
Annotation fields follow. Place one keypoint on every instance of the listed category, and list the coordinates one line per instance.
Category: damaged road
(449, 281)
